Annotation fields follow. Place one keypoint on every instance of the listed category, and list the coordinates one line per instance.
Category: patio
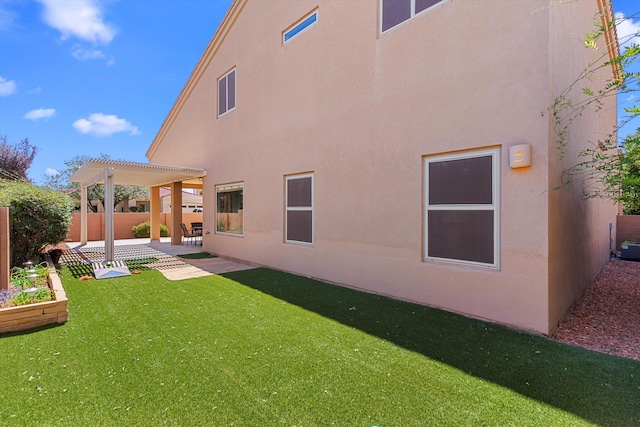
(163, 255)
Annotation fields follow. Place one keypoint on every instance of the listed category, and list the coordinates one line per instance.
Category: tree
(39, 217)
(15, 160)
(606, 169)
(61, 182)
(630, 174)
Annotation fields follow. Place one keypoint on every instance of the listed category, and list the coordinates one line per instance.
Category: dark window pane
(231, 90)
(395, 12)
(424, 4)
(462, 235)
(463, 181)
(300, 226)
(299, 192)
(222, 95)
(229, 212)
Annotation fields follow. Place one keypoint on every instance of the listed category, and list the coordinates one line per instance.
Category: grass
(265, 348)
(197, 255)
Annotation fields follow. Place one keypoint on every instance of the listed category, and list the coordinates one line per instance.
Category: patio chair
(186, 234)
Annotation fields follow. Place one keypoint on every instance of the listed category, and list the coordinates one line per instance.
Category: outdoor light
(33, 277)
(27, 264)
(520, 156)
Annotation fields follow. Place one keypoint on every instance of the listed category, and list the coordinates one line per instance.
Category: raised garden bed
(34, 315)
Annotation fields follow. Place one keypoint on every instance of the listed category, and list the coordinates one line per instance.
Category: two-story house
(367, 143)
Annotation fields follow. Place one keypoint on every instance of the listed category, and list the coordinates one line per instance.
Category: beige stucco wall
(578, 229)
(360, 110)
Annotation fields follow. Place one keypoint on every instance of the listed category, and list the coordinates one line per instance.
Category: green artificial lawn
(198, 255)
(265, 348)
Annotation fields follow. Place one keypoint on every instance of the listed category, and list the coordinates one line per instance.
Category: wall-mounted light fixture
(520, 156)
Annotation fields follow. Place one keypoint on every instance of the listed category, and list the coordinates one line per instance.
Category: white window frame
(223, 187)
(299, 208)
(297, 24)
(494, 206)
(412, 16)
(226, 86)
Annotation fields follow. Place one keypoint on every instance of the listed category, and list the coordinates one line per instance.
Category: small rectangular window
(395, 12)
(229, 208)
(227, 93)
(299, 208)
(462, 207)
(300, 26)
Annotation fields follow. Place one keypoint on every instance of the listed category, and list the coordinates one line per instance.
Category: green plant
(39, 217)
(144, 230)
(43, 295)
(21, 298)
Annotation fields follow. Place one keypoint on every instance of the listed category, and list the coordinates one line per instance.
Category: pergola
(110, 173)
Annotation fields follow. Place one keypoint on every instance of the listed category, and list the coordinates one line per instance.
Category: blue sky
(99, 76)
(89, 77)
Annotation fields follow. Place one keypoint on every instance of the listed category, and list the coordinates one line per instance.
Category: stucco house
(377, 144)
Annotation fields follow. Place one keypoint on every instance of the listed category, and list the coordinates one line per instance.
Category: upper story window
(395, 12)
(227, 92)
(300, 26)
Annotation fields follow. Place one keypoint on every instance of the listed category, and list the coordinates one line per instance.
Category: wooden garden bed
(39, 314)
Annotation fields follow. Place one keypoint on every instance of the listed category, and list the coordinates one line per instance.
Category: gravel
(607, 317)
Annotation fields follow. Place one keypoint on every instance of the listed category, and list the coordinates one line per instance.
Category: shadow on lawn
(600, 388)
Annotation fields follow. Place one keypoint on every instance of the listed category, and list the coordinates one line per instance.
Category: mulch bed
(607, 317)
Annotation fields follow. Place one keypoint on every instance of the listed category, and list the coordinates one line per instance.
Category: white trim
(297, 23)
(413, 14)
(300, 208)
(495, 154)
(226, 87)
(228, 188)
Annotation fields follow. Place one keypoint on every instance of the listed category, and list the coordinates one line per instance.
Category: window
(395, 12)
(299, 209)
(300, 26)
(229, 211)
(227, 93)
(461, 207)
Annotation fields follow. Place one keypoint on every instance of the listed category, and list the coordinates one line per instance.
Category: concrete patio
(165, 257)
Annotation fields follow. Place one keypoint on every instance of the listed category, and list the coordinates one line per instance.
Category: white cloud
(78, 18)
(51, 172)
(40, 113)
(7, 87)
(104, 125)
(84, 54)
(628, 30)
(7, 18)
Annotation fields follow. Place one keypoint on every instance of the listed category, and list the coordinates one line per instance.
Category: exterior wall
(360, 110)
(627, 228)
(122, 224)
(578, 229)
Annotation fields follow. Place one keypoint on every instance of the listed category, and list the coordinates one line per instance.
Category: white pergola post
(83, 215)
(108, 215)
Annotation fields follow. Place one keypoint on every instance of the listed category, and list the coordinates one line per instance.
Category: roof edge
(607, 18)
(205, 59)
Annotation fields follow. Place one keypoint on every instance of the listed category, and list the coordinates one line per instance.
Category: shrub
(144, 230)
(39, 217)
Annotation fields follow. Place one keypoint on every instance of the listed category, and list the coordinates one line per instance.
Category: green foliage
(630, 174)
(96, 191)
(20, 298)
(604, 169)
(144, 230)
(39, 217)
